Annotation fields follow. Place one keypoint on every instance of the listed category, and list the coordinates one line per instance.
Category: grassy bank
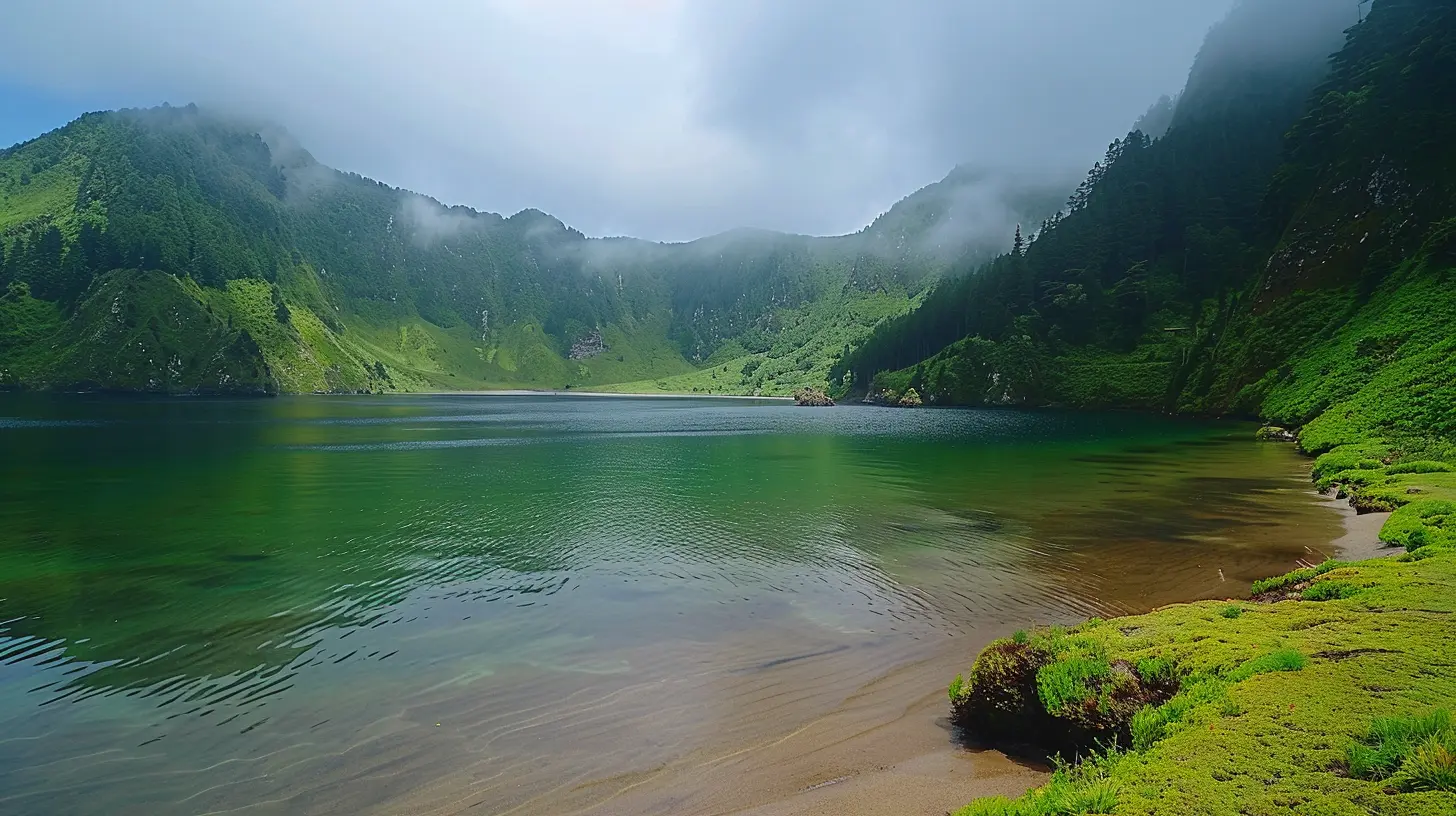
(1328, 692)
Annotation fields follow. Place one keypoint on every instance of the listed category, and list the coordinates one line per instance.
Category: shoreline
(1325, 652)
(888, 749)
(518, 392)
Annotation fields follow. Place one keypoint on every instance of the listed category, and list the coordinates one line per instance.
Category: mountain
(175, 250)
(1284, 251)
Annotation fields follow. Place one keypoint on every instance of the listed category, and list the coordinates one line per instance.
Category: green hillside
(176, 251)
(1284, 251)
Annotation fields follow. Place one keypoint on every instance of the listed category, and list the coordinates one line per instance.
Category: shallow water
(433, 603)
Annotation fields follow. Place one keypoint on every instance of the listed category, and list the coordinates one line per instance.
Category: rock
(813, 398)
(588, 346)
(1274, 433)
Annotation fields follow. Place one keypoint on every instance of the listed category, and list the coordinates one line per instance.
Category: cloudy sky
(665, 119)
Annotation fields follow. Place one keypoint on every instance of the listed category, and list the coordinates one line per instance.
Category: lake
(546, 605)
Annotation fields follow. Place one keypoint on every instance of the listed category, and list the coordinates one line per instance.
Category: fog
(662, 119)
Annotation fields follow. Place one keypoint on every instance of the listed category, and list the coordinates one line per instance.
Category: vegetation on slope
(1330, 691)
(345, 284)
(1227, 268)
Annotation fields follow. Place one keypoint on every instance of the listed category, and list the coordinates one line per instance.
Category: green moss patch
(1286, 707)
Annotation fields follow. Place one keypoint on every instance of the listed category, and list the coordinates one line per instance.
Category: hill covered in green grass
(1284, 251)
(174, 250)
(1281, 255)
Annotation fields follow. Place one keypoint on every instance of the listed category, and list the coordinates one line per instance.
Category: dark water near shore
(424, 604)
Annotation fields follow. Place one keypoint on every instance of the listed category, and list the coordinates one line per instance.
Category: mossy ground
(1271, 700)
(1283, 703)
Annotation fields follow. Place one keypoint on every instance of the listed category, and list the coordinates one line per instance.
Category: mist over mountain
(186, 249)
(1280, 252)
(174, 249)
(659, 119)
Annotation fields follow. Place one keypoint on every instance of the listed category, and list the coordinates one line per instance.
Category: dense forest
(1281, 251)
(176, 250)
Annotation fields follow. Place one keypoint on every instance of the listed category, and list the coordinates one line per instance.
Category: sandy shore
(1362, 535)
(887, 751)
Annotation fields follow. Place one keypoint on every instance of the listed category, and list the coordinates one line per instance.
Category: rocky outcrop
(813, 398)
(1274, 433)
(588, 346)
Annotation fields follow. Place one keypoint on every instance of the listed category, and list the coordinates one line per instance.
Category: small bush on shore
(1152, 723)
(1231, 611)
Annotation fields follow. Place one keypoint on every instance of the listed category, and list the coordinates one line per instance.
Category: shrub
(1152, 723)
(1068, 683)
(957, 686)
(1156, 670)
(1231, 611)
(1058, 691)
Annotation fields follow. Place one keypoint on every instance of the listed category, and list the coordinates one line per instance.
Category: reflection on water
(322, 604)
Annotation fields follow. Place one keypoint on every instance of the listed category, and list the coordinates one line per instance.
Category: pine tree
(1018, 245)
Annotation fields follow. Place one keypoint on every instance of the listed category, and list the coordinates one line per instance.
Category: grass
(1417, 753)
(1287, 707)
(1298, 576)
(1086, 787)
(804, 344)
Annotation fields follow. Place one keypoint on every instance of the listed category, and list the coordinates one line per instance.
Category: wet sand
(1362, 535)
(888, 750)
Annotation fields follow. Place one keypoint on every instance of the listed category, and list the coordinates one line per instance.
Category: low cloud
(427, 221)
(664, 119)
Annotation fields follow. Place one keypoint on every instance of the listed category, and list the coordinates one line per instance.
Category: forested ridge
(1280, 255)
(1282, 251)
(175, 250)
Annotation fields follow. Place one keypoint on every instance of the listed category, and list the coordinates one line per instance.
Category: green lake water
(410, 604)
